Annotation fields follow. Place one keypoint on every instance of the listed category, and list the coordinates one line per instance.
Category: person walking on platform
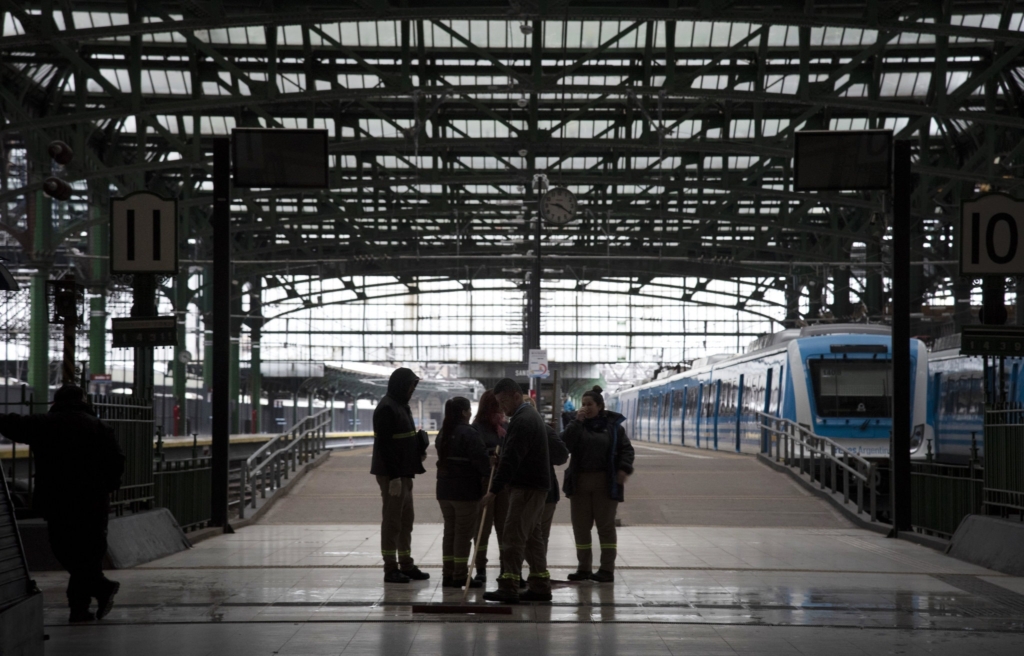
(78, 464)
(524, 468)
(462, 461)
(490, 425)
(398, 454)
(602, 460)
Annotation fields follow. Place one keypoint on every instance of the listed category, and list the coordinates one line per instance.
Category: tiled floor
(292, 589)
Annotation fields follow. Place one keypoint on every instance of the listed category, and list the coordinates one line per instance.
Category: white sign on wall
(538, 365)
(143, 234)
(992, 236)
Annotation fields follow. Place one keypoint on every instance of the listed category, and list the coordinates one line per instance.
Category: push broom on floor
(463, 607)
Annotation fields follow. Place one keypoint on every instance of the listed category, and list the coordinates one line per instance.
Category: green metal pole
(255, 362)
(39, 331)
(207, 306)
(98, 246)
(234, 386)
(178, 368)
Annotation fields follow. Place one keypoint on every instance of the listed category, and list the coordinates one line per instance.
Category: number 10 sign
(143, 234)
(991, 229)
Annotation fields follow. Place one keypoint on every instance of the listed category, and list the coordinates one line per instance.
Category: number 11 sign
(991, 230)
(143, 234)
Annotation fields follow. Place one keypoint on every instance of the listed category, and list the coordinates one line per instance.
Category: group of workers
(497, 468)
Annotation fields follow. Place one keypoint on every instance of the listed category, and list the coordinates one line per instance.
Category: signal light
(60, 152)
(56, 188)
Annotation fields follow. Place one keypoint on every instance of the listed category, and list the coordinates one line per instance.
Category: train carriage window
(852, 388)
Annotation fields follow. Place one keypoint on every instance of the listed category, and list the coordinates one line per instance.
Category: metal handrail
(264, 468)
(844, 465)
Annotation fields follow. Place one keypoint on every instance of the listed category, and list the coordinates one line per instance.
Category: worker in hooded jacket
(602, 460)
(398, 454)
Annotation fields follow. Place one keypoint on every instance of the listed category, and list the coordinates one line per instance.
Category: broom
(484, 608)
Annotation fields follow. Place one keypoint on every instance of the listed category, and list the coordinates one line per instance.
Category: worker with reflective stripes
(525, 469)
(462, 461)
(398, 454)
(602, 460)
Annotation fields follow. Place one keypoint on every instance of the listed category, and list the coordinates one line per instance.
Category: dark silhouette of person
(78, 464)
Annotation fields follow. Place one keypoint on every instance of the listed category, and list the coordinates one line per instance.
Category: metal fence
(272, 462)
(183, 487)
(1004, 458)
(942, 495)
(132, 422)
(824, 461)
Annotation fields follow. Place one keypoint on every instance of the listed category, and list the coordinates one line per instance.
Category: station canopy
(672, 123)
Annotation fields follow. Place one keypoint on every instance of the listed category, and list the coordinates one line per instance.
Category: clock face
(558, 206)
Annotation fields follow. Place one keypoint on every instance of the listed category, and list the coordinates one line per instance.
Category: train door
(700, 412)
(714, 412)
(739, 410)
(683, 402)
(765, 446)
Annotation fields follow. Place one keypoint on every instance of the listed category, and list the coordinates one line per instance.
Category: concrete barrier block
(990, 542)
(136, 539)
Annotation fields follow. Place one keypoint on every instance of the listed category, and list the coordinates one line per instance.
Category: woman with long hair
(490, 424)
(461, 463)
(602, 460)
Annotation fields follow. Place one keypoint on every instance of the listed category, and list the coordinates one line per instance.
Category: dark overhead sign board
(992, 340)
(831, 160)
(144, 331)
(278, 157)
(991, 234)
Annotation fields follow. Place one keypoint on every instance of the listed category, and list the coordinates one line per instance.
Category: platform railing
(1004, 458)
(183, 487)
(822, 459)
(271, 463)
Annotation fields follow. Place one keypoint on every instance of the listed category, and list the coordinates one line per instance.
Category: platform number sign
(991, 229)
(143, 234)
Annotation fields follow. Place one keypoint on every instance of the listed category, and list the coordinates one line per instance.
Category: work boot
(394, 576)
(80, 615)
(474, 583)
(502, 596)
(481, 574)
(602, 576)
(579, 576)
(531, 597)
(449, 582)
(105, 601)
(416, 574)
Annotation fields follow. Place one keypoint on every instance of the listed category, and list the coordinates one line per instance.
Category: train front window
(851, 388)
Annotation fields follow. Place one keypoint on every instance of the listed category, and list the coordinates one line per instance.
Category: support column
(874, 294)
(144, 305)
(255, 361)
(793, 289)
(179, 369)
(39, 215)
(841, 287)
(99, 244)
(207, 311)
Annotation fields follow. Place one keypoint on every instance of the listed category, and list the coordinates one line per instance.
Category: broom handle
(479, 533)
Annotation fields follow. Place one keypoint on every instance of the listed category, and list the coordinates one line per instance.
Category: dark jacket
(620, 450)
(465, 463)
(398, 448)
(78, 460)
(488, 435)
(524, 458)
(559, 454)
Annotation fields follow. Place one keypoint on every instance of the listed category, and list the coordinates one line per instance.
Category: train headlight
(917, 438)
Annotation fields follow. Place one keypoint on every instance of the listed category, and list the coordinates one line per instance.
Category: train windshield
(852, 388)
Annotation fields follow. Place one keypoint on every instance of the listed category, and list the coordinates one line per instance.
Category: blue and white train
(956, 393)
(835, 380)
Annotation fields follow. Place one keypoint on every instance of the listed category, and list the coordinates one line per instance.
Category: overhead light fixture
(523, 102)
(526, 29)
(523, 152)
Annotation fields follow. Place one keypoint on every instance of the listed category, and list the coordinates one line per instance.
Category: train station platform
(718, 554)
